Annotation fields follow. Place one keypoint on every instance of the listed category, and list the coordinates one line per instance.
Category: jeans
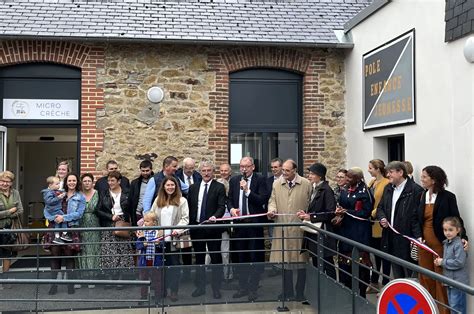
(457, 300)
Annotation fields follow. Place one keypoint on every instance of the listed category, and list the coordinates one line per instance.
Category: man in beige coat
(290, 194)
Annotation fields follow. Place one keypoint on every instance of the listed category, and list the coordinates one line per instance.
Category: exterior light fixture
(155, 94)
(469, 50)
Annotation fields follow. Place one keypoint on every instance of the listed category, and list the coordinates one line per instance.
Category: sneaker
(66, 237)
(58, 241)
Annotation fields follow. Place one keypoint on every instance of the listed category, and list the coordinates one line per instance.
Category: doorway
(33, 155)
(265, 114)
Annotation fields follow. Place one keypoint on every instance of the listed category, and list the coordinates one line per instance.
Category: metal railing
(30, 283)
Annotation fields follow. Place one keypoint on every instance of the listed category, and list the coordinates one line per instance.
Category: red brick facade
(88, 59)
(309, 63)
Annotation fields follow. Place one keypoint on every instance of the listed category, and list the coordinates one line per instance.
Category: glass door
(263, 147)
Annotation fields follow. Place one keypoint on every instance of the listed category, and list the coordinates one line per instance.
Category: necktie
(202, 217)
(244, 204)
(290, 184)
(189, 181)
(313, 194)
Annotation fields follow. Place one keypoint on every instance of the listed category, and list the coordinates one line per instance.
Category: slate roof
(295, 22)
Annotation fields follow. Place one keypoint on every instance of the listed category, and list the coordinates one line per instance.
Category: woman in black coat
(116, 252)
(322, 202)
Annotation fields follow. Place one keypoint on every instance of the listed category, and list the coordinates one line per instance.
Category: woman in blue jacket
(73, 206)
(357, 202)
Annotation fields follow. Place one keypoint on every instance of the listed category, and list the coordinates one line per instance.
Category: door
(265, 117)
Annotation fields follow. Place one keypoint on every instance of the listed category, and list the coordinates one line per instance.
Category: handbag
(125, 234)
(184, 241)
(22, 238)
(7, 238)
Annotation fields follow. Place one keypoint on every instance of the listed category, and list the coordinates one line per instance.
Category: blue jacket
(142, 258)
(52, 204)
(76, 206)
(454, 260)
(358, 203)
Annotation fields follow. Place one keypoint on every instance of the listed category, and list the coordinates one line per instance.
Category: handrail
(466, 288)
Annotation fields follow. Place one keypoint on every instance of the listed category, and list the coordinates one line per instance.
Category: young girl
(454, 262)
(150, 248)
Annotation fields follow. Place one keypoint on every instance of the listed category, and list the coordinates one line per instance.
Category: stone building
(264, 79)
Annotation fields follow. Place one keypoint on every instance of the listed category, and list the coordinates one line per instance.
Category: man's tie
(290, 184)
(189, 181)
(313, 194)
(202, 217)
(244, 204)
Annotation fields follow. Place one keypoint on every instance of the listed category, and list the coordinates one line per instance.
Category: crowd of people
(367, 213)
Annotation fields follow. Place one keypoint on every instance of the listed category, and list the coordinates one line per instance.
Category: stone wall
(192, 119)
(133, 126)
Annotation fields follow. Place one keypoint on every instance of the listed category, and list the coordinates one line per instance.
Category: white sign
(41, 109)
(235, 153)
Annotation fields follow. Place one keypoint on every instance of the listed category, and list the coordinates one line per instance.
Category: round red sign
(405, 296)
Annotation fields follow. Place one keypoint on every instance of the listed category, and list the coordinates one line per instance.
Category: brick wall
(88, 59)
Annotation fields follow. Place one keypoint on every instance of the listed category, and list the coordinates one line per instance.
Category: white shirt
(249, 179)
(166, 217)
(116, 209)
(433, 198)
(186, 178)
(201, 194)
(397, 191)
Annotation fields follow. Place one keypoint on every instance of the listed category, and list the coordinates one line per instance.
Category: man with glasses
(291, 194)
(341, 183)
(248, 195)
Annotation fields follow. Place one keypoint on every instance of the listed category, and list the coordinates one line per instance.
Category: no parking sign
(405, 296)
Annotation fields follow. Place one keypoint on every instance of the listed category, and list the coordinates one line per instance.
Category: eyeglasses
(340, 177)
(5, 181)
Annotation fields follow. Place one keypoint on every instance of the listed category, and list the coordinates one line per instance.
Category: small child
(150, 247)
(454, 262)
(52, 207)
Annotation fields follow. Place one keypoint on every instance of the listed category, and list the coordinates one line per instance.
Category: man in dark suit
(102, 185)
(248, 195)
(206, 203)
(398, 206)
(187, 173)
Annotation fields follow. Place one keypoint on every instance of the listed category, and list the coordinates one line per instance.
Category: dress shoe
(216, 294)
(252, 296)
(198, 292)
(53, 290)
(239, 294)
